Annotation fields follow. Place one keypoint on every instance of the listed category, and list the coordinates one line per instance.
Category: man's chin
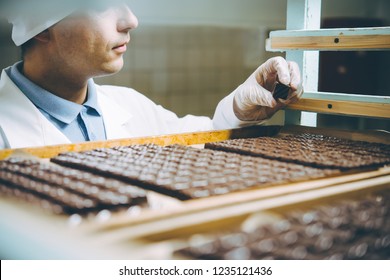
(109, 70)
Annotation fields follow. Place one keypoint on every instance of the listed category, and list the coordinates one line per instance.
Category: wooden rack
(303, 39)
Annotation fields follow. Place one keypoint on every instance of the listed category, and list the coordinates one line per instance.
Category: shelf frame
(302, 41)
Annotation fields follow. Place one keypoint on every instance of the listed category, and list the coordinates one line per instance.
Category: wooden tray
(156, 232)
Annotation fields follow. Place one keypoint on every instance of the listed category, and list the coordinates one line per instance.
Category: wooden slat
(346, 97)
(163, 140)
(336, 39)
(329, 43)
(313, 31)
(377, 110)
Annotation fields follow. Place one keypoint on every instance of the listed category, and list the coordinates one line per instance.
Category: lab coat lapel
(116, 119)
(22, 122)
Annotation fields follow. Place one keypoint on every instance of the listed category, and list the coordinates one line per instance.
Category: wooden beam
(329, 43)
(346, 97)
(377, 110)
(330, 39)
(163, 140)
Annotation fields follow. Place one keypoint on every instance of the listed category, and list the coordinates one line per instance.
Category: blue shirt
(77, 122)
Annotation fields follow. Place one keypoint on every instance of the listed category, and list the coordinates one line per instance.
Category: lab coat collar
(116, 119)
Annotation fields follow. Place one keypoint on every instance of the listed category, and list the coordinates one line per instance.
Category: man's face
(92, 43)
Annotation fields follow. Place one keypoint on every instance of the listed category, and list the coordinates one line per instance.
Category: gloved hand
(253, 100)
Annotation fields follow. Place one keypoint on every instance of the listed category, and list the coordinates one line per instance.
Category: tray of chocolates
(62, 190)
(352, 228)
(185, 172)
(311, 150)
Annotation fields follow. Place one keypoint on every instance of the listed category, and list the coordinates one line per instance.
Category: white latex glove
(253, 100)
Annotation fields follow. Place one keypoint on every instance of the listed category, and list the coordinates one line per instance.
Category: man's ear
(43, 37)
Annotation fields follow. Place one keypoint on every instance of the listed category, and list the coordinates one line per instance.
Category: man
(50, 98)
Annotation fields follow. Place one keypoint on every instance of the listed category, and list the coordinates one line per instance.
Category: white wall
(356, 8)
(211, 12)
(246, 12)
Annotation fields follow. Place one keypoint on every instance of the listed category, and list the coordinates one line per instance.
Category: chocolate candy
(185, 172)
(281, 91)
(311, 150)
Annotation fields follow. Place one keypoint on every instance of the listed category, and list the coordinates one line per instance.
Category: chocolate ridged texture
(64, 190)
(281, 91)
(345, 229)
(311, 150)
(185, 172)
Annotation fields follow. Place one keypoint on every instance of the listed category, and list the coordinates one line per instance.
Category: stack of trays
(342, 229)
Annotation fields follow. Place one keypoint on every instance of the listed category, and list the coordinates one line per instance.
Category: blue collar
(57, 107)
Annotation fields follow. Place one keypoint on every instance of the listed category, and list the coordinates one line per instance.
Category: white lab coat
(126, 113)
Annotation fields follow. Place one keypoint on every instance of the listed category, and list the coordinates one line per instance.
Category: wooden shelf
(351, 108)
(340, 39)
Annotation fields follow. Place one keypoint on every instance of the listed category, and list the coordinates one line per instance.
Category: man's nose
(127, 20)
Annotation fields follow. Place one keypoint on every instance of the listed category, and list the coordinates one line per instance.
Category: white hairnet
(31, 17)
(26, 28)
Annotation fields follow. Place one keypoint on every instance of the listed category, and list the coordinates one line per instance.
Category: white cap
(29, 18)
(25, 29)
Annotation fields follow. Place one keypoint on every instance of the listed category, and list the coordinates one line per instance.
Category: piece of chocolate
(281, 91)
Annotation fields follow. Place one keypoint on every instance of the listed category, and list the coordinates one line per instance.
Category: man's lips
(121, 48)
